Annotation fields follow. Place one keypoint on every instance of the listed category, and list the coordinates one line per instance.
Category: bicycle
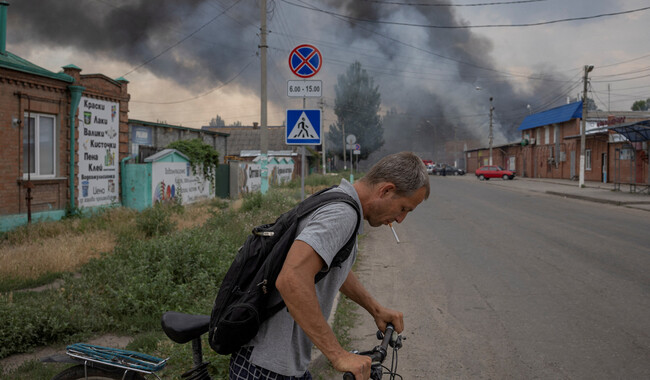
(378, 354)
(97, 362)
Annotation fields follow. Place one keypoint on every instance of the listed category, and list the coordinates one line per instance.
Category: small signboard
(303, 127)
(305, 88)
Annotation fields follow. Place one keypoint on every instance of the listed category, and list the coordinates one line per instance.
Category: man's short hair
(405, 170)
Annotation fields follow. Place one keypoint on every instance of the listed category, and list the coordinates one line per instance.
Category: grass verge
(147, 266)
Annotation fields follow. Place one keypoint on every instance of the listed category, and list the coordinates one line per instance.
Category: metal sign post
(304, 126)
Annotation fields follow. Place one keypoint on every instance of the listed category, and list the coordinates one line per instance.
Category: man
(392, 188)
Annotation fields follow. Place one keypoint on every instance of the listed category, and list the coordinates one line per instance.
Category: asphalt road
(498, 283)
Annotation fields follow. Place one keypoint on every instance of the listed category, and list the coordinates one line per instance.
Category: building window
(588, 159)
(626, 154)
(547, 134)
(39, 145)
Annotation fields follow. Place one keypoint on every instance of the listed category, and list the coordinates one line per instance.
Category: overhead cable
(454, 5)
(429, 26)
(182, 39)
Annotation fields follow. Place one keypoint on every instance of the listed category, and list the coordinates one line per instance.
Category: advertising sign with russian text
(98, 152)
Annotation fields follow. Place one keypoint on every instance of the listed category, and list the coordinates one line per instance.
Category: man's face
(389, 207)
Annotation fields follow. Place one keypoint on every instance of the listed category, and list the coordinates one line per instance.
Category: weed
(156, 220)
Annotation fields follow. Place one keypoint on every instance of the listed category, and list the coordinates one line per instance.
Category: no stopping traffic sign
(305, 61)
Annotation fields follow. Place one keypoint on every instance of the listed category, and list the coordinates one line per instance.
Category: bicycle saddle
(182, 328)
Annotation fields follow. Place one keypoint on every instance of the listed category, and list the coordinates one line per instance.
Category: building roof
(152, 124)
(552, 116)
(14, 62)
(248, 138)
(163, 154)
(635, 132)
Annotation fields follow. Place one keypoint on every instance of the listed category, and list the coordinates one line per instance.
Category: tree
(357, 109)
(217, 122)
(641, 105)
(200, 154)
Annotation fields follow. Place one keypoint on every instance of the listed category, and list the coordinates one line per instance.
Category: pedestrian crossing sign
(303, 127)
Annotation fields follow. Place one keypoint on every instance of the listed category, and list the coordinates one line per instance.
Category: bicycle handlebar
(378, 354)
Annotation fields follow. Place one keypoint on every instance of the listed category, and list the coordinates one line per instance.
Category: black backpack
(242, 303)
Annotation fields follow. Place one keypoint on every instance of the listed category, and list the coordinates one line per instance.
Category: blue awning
(635, 132)
(552, 116)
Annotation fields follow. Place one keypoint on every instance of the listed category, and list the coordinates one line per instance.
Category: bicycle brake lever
(397, 342)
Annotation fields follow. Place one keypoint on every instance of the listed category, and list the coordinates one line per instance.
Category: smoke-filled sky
(190, 60)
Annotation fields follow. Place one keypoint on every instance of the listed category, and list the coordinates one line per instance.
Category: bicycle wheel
(78, 372)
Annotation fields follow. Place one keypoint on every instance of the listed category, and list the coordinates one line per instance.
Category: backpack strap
(316, 200)
(322, 198)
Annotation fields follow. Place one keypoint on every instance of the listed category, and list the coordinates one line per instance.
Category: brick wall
(22, 92)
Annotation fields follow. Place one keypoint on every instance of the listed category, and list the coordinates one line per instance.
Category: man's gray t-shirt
(281, 345)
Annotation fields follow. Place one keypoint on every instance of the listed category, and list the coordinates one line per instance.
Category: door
(222, 179)
(604, 167)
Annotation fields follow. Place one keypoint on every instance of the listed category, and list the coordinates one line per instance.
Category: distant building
(147, 138)
(550, 146)
(244, 142)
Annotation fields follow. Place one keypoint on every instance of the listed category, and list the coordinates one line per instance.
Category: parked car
(444, 169)
(452, 170)
(493, 171)
(438, 169)
(431, 168)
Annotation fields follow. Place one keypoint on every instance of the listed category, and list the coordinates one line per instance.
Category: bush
(156, 220)
(127, 291)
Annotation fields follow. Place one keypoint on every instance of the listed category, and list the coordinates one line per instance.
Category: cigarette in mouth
(394, 233)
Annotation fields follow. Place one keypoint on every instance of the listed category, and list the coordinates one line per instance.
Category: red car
(494, 171)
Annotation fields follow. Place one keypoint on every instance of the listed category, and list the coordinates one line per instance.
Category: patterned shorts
(242, 369)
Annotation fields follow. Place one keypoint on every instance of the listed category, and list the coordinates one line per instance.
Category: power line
(182, 39)
(628, 61)
(466, 26)
(453, 5)
(621, 80)
(198, 96)
(459, 61)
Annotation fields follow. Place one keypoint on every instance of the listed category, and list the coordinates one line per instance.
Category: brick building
(550, 147)
(146, 138)
(42, 167)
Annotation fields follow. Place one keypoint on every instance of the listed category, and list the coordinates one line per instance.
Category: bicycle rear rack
(118, 358)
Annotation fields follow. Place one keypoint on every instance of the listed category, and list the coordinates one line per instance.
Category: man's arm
(296, 285)
(355, 291)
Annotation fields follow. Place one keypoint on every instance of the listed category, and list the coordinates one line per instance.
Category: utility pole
(608, 96)
(490, 133)
(583, 127)
(264, 132)
(345, 162)
(324, 136)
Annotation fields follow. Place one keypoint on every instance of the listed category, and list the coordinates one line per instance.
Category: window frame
(587, 159)
(37, 145)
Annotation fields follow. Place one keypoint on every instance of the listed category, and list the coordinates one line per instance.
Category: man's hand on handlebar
(357, 364)
(394, 317)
